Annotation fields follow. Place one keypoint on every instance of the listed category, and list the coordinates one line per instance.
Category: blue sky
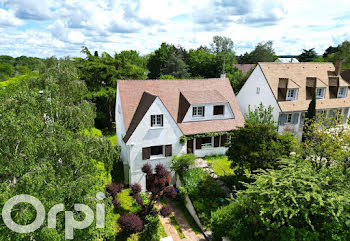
(45, 28)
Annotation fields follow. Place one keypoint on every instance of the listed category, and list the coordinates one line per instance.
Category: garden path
(184, 225)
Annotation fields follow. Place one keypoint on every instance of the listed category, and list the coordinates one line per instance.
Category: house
(289, 88)
(245, 68)
(286, 60)
(153, 115)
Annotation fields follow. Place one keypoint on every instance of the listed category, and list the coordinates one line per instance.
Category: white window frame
(291, 118)
(295, 94)
(342, 95)
(156, 121)
(157, 156)
(323, 93)
(208, 145)
(198, 111)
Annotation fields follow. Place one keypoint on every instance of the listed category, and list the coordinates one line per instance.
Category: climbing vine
(191, 137)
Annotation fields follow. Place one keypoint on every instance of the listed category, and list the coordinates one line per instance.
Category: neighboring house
(286, 60)
(245, 68)
(289, 88)
(153, 115)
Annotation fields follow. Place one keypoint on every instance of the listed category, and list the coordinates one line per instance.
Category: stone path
(184, 225)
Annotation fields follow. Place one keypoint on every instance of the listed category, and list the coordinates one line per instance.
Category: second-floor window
(218, 110)
(342, 92)
(198, 111)
(156, 120)
(320, 93)
(292, 94)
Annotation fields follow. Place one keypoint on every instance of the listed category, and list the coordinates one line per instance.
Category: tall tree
(157, 60)
(222, 47)
(263, 52)
(307, 55)
(175, 66)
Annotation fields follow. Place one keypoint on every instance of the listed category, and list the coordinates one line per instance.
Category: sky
(45, 28)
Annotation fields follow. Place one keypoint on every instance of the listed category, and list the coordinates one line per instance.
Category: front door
(190, 146)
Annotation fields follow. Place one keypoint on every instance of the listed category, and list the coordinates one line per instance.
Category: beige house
(289, 88)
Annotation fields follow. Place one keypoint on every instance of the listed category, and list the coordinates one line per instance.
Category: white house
(289, 88)
(152, 116)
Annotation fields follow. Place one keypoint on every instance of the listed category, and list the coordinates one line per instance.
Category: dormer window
(198, 111)
(292, 94)
(156, 120)
(320, 92)
(342, 91)
(218, 110)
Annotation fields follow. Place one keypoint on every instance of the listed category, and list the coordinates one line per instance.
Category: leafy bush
(114, 189)
(151, 230)
(170, 192)
(130, 223)
(165, 211)
(135, 188)
(293, 202)
(182, 163)
(147, 169)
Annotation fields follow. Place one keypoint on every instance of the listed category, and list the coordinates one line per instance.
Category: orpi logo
(70, 222)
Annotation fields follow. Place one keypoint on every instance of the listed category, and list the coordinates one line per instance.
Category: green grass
(221, 165)
(177, 227)
(189, 218)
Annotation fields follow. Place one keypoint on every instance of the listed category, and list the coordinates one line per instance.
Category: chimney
(222, 76)
(338, 67)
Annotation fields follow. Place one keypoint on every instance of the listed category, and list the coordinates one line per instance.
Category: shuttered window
(198, 143)
(216, 141)
(146, 153)
(223, 140)
(168, 150)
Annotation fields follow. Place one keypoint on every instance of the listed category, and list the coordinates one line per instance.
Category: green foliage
(175, 66)
(183, 140)
(203, 63)
(177, 227)
(204, 192)
(167, 77)
(311, 110)
(100, 74)
(221, 165)
(307, 55)
(45, 152)
(258, 145)
(6, 71)
(158, 59)
(179, 164)
(327, 142)
(293, 202)
(153, 229)
(260, 115)
(237, 79)
(263, 52)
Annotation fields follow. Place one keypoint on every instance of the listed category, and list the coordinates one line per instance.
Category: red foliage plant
(131, 223)
(165, 211)
(116, 203)
(114, 189)
(135, 188)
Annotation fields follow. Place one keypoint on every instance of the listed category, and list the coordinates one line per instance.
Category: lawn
(221, 165)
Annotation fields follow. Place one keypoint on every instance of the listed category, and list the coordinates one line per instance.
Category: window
(291, 94)
(198, 111)
(257, 90)
(206, 141)
(320, 93)
(342, 92)
(289, 118)
(218, 110)
(156, 120)
(157, 151)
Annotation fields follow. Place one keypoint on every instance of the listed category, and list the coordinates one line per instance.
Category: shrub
(182, 163)
(116, 203)
(165, 211)
(147, 169)
(150, 232)
(114, 189)
(183, 140)
(170, 192)
(294, 202)
(162, 171)
(130, 223)
(135, 188)
(138, 199)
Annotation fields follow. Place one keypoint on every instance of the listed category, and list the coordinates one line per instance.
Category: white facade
(256, 90)
(169, 134)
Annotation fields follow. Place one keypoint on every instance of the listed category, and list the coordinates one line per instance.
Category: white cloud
(113, 25)
(8, 19)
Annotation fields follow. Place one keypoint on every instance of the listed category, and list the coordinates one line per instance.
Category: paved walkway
(181, 220)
